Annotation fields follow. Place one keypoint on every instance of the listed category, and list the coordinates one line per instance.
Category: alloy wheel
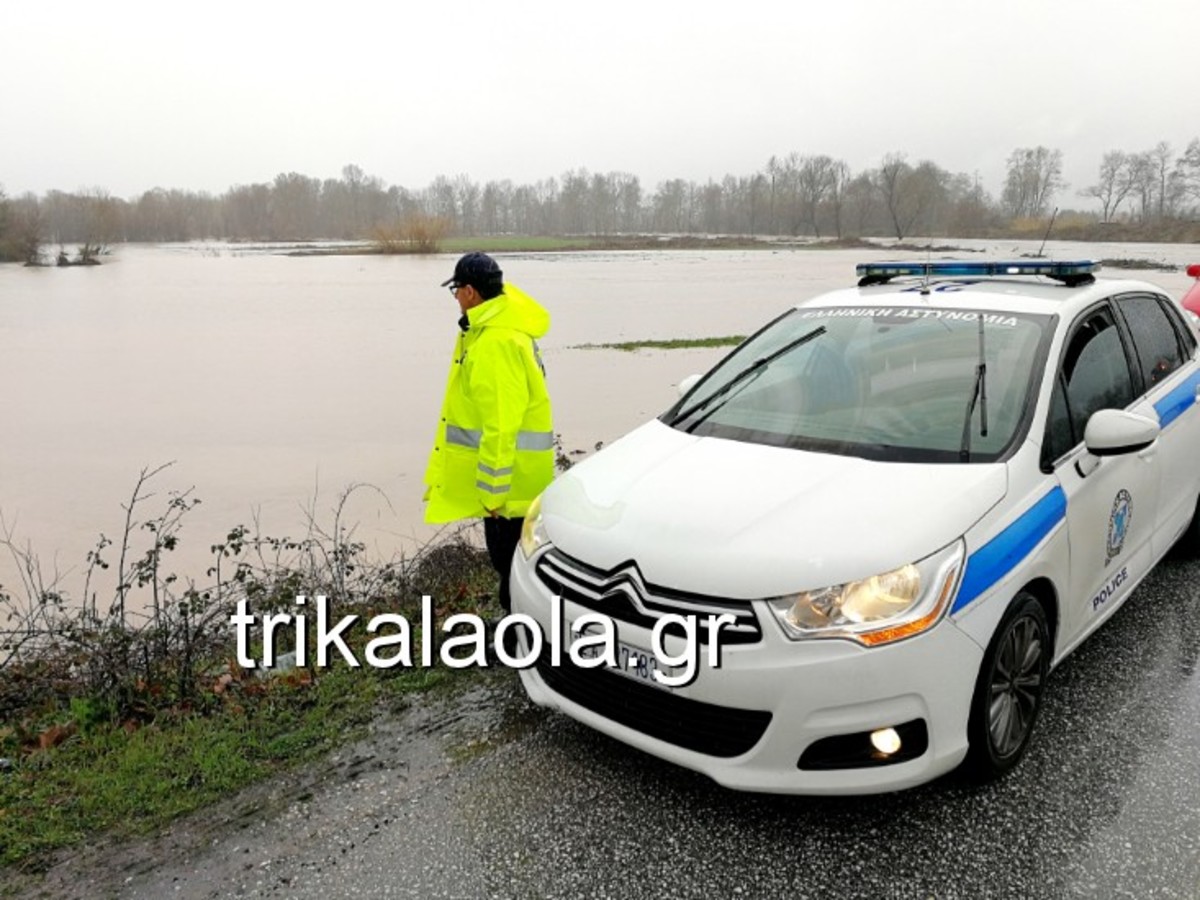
(1016, 685)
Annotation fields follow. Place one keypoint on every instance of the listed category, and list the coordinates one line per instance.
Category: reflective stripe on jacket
(494, 448)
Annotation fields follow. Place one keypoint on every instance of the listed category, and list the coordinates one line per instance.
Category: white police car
(846, 560)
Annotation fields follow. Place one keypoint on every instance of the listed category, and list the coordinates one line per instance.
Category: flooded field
(274, 383)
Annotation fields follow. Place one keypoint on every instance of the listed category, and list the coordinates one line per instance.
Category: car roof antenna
(928, 268)
(1053, 216)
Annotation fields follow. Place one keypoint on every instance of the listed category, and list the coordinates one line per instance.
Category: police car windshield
(890, 383)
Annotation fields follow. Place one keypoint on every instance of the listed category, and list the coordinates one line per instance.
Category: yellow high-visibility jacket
(494, 448)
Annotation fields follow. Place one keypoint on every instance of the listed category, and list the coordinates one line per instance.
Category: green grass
(107, 780)
(673, 344)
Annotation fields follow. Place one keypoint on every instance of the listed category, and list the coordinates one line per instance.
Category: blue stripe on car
(1001, 554)
(1176, 403)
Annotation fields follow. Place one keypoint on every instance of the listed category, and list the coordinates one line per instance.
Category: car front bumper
(794, 693)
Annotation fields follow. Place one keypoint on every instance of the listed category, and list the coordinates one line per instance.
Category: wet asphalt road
(489, 797)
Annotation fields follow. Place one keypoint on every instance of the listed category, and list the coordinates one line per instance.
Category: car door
(1111, 500)
(1163, 350)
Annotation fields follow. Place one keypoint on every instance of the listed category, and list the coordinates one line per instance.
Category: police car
(847, 558)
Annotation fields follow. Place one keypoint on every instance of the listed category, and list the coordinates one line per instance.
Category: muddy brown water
(274, 383)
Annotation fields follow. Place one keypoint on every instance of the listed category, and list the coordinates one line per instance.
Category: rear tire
(1008, 691)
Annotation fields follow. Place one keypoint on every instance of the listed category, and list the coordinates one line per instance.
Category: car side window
(1155, 342)
(1059, 435)
(1094, 375)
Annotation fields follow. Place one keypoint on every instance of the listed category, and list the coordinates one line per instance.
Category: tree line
(797, 194)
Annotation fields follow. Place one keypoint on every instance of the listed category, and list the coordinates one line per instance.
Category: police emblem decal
(1118, 524)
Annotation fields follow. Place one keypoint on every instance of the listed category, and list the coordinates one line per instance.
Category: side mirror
(688, 383)
(1111, 432)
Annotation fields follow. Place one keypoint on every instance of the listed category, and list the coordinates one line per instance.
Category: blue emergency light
(1070, 273)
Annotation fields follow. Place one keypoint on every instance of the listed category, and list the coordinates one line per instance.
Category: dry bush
(416, 233)
(155, 643)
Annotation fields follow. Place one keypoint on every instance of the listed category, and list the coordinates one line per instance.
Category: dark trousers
(502, 536)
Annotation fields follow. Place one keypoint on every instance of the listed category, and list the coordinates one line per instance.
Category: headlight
(879, 609)
(533, 531)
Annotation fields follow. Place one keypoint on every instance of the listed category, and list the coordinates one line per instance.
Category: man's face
(466, 296)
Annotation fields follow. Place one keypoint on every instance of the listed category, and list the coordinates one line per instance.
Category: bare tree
(860, 202)
(1034, 177)
(441, 199)
(573, 201)
(294, 207)
(771, 175)
(672, 206)
(971, 209)
(888, 180)
(1143, 181)
(1160, 162)
(1114, 183)
(247, 212)
(814, 178)
(547, 193)
(467, 192)
(893, 180)
(496, 207)
(757, 196)
(1187, 170)
(839, 178)
(789, 202)
(602, 204)
(629, 201)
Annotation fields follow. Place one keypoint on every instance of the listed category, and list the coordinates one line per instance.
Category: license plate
(632, 662)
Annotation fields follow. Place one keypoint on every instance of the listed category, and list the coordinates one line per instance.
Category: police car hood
(717, 516)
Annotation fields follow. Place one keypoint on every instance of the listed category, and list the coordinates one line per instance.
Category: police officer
(494, 451)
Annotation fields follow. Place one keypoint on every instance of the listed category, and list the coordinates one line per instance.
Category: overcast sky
(127, 96)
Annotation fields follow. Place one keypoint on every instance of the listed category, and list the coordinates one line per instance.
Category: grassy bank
(130, 778)
(648, 243)
(119, 722)
(522, 244)
(543, 244)
(1090, 233)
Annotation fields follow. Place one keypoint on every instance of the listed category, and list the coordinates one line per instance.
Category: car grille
(621, 593)
(691, 724)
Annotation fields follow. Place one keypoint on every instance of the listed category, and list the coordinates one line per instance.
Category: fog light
(885, 740)
(863, 749)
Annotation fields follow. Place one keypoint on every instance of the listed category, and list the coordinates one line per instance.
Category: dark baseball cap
(476, 269)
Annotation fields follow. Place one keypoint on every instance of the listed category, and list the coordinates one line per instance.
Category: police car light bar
(1069, 273)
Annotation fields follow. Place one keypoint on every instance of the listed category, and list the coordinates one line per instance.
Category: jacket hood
(733, 519)
(512, 309)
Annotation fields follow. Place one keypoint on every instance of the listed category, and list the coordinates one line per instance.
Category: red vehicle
(1191, 300)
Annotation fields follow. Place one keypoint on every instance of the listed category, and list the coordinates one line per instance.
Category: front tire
(1008, 691)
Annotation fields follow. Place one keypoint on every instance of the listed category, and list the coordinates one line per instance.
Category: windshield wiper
(753, 369)
(978, 393)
